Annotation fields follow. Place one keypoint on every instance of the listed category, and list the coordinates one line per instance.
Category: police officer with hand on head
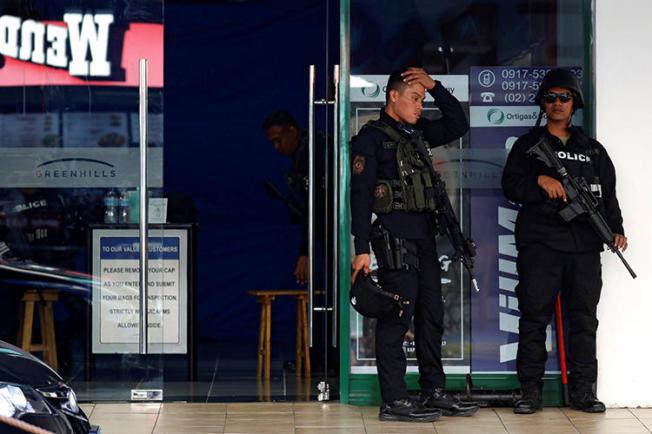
(390, 177)
(555, 255)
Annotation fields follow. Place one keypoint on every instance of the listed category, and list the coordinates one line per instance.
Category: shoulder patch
(358, 164)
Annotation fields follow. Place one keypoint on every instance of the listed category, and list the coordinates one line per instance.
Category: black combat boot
(531, 400)
(583, 398)
(406, 410)
(448, 405)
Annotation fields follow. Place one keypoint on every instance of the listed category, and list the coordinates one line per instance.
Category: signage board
(116, 291)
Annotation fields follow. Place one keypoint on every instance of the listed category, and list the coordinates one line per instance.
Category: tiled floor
(334, 418)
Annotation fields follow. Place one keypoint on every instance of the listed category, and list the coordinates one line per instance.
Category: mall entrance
(231, 164)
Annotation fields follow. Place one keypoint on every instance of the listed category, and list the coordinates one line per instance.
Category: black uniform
(35, 225)
(373, 160)
(558, 256)
(297, 179)
(298, 183)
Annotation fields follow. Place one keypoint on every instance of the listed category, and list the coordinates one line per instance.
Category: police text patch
(573, 156)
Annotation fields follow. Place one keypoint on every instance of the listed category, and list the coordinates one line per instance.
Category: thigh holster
(393, 253)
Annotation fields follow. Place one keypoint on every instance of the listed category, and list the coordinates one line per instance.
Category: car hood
(20, 367)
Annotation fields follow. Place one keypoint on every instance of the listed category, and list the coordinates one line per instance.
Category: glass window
(464, 44)
(69, 144)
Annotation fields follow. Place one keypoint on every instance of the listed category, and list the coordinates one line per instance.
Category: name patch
(573, 156)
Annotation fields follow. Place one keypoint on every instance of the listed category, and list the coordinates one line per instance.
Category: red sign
(73, 52)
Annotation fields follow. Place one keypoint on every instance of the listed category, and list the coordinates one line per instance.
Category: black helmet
(563, 78)
(370, 300)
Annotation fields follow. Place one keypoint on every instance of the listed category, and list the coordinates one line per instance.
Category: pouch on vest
(383, 197)
(415, 180)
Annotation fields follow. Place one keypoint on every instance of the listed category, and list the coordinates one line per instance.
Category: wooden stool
(44, 300)
(265, 298)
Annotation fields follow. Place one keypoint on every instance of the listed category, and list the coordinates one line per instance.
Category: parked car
(34, 393)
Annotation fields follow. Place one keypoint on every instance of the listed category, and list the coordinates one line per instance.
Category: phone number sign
(508, 85)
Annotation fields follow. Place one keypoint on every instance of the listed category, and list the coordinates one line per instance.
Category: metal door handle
(311, 196)
(142, 203)
(336, 195)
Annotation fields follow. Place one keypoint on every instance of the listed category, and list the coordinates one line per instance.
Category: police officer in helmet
(554, 255)
(404, 204)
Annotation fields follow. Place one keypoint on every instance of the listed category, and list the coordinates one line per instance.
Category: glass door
(323, 222)
(237, 80)
(70, 173)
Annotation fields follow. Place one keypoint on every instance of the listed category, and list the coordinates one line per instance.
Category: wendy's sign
(83, 49)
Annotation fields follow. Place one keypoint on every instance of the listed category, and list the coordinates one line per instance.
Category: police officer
(32, 223)
(288, 139)
(403, 202)
(554, 255)
(38, 227)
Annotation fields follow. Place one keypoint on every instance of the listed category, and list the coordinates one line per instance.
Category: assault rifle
(274, 193)
(448, 225)
(582, 200)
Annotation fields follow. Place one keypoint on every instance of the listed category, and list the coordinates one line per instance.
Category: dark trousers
(423, 288)
(542, 273)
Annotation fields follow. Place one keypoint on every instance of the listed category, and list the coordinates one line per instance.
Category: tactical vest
(413, 191)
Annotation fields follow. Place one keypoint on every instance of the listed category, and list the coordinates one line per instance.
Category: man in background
(290, 140)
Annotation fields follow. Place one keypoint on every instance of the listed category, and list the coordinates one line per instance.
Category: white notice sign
(116, 291)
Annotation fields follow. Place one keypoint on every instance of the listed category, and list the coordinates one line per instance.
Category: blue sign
(502, 109)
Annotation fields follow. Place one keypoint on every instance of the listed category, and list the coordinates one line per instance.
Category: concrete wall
(623, 77)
